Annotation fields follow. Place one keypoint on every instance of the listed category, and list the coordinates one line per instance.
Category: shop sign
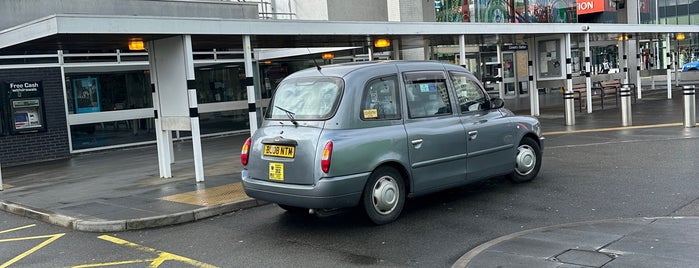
(590, 6)
(24, 89)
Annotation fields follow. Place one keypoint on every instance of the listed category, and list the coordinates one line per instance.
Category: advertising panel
(86, 95)
(591, 6)
(25, 106)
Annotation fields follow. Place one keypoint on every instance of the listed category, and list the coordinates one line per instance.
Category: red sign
(644, 6)
(590, 6)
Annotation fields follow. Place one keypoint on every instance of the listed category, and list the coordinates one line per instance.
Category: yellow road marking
(18, 228)
(162, 256)
(50, 240)
(112, 263)
(611, 129)
(210, 196)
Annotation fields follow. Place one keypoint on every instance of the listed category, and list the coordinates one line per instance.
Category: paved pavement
(121, 190)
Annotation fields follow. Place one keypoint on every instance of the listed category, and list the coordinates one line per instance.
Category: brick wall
(31, 147)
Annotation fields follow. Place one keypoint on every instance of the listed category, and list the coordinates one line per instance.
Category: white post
(588, 79)
(196, 135)
(249, 81)
(669, 66)
(164, 151)
(462, 50)
(193, 110)
(1, 187)
(639, 62)
(501, 81)
(533, 90)
(568, 95)
(370, 48)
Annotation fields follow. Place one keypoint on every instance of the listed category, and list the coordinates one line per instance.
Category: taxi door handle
(472, 135)
(416, 142)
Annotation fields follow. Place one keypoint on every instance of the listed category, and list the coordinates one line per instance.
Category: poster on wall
(86, 95)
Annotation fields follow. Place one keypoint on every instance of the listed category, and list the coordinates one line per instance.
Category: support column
(588, 79)
(462, 50)
(370, 48)
(690, 108)
(639, 62)
(568, 95)
(161, 136)
(669, 66)
(193, 110)
(396, 49)
(250, 84)
(501, 85)
(533, 90)
(625, 43)
(172, 72)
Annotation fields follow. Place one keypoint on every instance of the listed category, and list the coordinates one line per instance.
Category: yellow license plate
(276, 171)
(279, 150)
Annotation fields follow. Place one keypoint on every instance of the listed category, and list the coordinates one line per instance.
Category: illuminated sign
(590, 6)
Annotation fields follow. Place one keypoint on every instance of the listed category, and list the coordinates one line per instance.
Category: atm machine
(25, 107)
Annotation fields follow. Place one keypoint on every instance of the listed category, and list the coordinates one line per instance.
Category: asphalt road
(585, 176)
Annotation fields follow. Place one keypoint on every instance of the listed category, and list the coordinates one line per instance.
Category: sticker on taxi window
(371, 113)
(276, 171)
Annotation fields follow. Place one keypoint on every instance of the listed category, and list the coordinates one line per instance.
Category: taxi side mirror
(497, 103)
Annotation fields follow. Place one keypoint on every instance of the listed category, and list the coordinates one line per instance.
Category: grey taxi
(372, 134)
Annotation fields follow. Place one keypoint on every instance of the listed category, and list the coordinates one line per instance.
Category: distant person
(605, 67)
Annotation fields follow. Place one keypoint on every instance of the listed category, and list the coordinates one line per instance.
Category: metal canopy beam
(74, 31)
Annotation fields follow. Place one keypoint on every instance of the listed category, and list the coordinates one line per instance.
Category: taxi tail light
(325, 159)
(245, 152)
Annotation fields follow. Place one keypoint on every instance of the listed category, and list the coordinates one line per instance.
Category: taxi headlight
(537, 129)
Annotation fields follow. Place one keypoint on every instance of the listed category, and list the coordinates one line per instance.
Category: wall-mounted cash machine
(25, 109)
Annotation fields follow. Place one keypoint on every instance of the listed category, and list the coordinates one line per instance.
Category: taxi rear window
(306, 98)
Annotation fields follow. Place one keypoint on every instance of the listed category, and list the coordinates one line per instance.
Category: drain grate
(588, 258)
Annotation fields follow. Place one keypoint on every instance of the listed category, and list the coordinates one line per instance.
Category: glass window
(468, 93)
(220, 83)
(380, 100)
(427, 94)
(306, 98)
(99, 92)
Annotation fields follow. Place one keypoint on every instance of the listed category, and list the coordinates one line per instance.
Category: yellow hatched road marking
(18, 228)
(50, 240)
(162, 256)
(611, 129)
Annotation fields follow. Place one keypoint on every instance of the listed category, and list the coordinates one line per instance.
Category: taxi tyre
(383, 197)
(527, 161)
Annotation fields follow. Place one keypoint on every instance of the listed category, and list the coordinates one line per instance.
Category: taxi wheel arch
(384, 194)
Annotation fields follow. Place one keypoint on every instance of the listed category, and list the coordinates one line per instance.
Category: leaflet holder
(25, 107)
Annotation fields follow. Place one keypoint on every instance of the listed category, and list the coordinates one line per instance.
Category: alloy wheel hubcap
(525, 160)
(385, 195)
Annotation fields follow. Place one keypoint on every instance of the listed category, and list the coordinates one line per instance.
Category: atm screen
(21, 120)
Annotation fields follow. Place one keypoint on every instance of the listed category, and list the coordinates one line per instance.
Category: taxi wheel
(384, 195)
(527, 161)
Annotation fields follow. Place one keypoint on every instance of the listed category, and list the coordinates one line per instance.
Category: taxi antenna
(314, 59)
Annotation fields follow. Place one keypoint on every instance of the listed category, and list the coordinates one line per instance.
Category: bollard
(1, 189)
(690, 108)
(569, 108)
(625, 106)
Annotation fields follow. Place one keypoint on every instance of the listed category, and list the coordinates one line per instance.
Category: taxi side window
(468, 93)
(427, 94)
(380, 99)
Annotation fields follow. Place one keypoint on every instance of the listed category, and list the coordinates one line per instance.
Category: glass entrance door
(515, 73)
